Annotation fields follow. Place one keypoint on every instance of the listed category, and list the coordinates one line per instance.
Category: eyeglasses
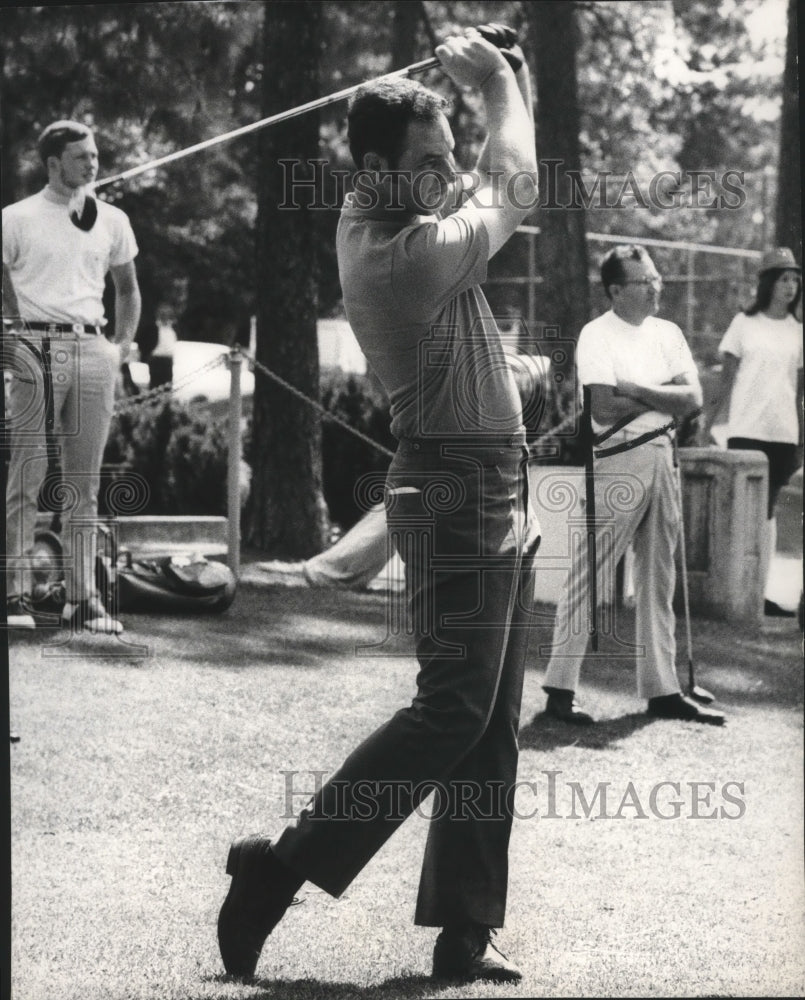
(656, 282)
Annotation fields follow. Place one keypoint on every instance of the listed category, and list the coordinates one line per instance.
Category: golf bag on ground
(172, 583)
(161, 584)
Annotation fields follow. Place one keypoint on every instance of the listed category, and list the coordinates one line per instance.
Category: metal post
(233, 464)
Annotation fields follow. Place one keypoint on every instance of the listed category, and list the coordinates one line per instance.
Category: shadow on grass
(741, 664)
(547, 733)
(398, 988)
(279, 626)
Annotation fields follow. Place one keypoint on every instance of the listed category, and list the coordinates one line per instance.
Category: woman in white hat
(763, 376)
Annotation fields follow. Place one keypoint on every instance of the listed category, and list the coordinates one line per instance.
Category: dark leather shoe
(467, 954)
(562, 705)
(261, 890)
(677, 706)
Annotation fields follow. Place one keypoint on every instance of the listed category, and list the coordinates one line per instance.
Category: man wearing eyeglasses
(58, 247)
(639, 377)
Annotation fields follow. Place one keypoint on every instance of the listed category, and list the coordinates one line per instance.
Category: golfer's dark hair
(612, 270)
(379, 115)
(765, 288)
(56, 136)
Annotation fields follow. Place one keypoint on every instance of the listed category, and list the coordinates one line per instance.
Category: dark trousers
(784, 460)
(460, 519)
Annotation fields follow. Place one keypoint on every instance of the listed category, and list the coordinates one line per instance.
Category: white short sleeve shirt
(611, 350)
(763, 404)
(57, 270)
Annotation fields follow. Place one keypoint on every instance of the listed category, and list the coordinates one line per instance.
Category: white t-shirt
(763, 404)
(57, 270)
(611, 350)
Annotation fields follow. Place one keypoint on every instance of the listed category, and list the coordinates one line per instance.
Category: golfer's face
(78, 164)
(427, 166)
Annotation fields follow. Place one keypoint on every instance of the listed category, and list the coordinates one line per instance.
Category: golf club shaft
(684, 561)
(319, 102)
(590, 526)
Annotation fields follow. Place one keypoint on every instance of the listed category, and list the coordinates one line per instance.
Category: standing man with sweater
(58, 247)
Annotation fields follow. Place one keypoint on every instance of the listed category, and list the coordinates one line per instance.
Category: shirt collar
(54, 197)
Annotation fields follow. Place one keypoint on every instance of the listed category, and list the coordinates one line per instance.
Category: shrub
(181, 455)
(345, 458)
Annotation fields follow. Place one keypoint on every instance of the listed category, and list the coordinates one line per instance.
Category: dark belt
(96, 331)
(632, 442)
(464, 442)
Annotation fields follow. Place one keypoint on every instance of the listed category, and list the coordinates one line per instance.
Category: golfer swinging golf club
(639, 375)
(458, 512)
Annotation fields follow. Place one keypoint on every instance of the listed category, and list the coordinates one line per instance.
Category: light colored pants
(356, 558)
(84, 371)
(636, 501)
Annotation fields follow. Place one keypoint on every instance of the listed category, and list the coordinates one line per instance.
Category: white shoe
(90, 615)
(18, 613)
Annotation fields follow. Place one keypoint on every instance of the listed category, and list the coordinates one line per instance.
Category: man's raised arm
(508, 187)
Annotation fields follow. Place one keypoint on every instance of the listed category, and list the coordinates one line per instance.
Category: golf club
(499, 35)
(699, 694)
(589, 515)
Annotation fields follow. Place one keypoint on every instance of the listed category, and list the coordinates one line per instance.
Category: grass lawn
(133, 773)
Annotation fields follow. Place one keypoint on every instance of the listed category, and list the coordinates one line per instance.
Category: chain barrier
(131, 403)
(323, 411)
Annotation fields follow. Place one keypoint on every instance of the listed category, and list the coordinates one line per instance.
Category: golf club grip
(498, 34)
(503, 37)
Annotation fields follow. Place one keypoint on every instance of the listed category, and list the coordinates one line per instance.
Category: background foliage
(660, 85)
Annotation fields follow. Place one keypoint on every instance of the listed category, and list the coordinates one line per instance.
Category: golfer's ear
(374, 162)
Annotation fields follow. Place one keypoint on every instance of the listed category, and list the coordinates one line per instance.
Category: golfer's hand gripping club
(499, 35)
(504, 38)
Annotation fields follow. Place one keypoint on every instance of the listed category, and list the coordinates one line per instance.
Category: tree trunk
(562, 300)
(789, 203)
(286, 515)
(9, 171)
(404, 31)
